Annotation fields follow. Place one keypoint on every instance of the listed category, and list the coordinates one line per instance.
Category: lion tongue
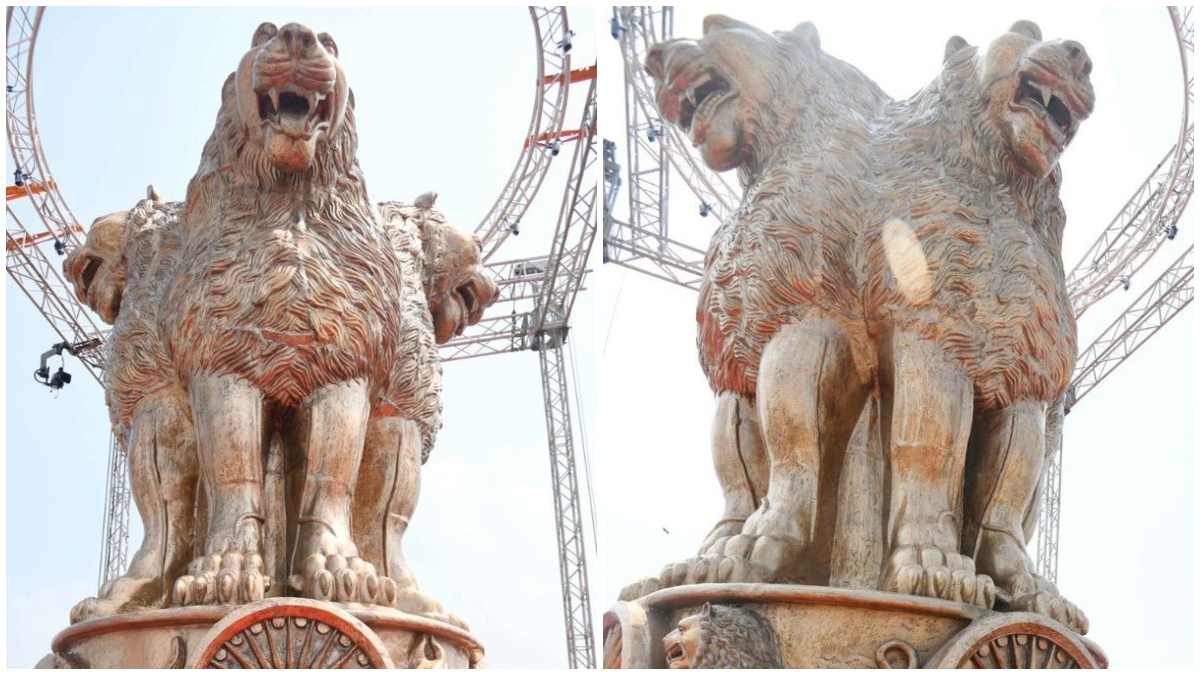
(294, 125)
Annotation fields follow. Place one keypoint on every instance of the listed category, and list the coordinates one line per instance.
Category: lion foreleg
(928, 416)
(389, 483)
(1002, 481)
(228, 413)
(331, 433)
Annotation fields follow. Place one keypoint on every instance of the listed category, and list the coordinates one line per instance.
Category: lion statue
(280, 315)
(899, 257)
(720, 636)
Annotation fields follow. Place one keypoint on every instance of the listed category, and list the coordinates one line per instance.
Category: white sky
(1127, 532)
(127, 97)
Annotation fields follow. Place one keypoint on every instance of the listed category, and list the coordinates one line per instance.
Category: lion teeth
(1045, 92)
(273, 93)
(313, 99)
(691, 95)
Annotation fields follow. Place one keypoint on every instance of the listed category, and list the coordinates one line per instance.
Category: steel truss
(1142, 225)
(572, 245)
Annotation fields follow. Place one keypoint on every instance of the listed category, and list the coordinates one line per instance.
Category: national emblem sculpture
(273, 371)
(894, 270)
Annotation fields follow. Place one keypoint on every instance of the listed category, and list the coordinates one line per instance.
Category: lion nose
(298, 38)
(1077, 56)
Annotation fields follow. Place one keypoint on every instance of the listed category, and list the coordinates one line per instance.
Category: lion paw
(934, 573)
(1032, 593)
(230, 578)
(336, 578)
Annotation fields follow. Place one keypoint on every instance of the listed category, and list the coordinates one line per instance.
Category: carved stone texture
(291, 635)
(793, 626)
(895, 267)
(277, 314)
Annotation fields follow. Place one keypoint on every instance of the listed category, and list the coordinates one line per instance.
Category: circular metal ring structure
(551, 32)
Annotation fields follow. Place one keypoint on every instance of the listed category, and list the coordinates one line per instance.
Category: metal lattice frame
(1165, 298)
(549, 109)
(39, 276)
(1160, 303)
(1134, 236)
(573, 241)
(643, 243)
(1138, 231)
(639, 34)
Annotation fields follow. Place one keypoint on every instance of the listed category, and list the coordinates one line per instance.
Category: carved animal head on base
(733, 91)
(721, 636)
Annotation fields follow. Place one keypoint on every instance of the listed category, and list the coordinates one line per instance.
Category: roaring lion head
(458, 287)
(722, 637)
(735, 89)
(1035, 93)
(291, 91)
(96, 269)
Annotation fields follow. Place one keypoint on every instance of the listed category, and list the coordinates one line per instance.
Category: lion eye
(265, 31)
(327, 42)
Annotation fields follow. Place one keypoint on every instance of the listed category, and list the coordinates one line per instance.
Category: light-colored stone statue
(892, 276)
(273, 372)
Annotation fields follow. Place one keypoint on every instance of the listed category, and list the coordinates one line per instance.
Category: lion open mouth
(1057, 110)
(701, 96)
(294, 111)
(674, 652)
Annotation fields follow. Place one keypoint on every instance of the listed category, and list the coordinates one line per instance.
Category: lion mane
(288, 305)
(883, 216)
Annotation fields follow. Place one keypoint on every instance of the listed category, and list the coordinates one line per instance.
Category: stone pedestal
(273, 633)
(765, 625)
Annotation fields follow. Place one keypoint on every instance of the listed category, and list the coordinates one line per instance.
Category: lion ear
(706, 610)
(265, 31)
(807, 32)
(953, 46)
(721, 22)
(152, 194)
(327, 42)
(1027, 28)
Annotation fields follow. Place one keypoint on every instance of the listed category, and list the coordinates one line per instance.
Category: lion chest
(290, 305)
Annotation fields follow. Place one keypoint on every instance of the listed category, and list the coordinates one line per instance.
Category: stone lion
(720, 636)
(278, 314)
(898, 254)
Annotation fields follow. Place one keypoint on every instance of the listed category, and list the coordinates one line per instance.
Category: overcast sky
(128, 97)
(1126, 554)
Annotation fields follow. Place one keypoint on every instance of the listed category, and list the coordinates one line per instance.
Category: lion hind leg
(927, 413)
(741, 464)
(1004, 472)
